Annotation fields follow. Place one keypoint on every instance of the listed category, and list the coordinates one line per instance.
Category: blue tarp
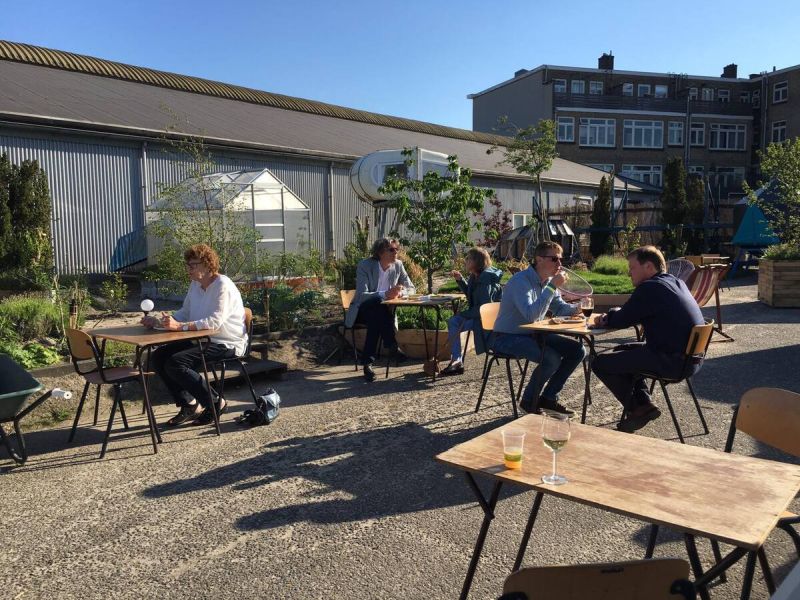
(754, 230)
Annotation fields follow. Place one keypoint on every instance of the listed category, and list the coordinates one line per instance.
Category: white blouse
(217, 307)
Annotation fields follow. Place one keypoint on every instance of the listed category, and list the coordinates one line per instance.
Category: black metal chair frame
(219, 381)
(493, 357)
(20, 454)
(693, 355)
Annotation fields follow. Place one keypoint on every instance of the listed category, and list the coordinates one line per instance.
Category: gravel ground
(341, 496)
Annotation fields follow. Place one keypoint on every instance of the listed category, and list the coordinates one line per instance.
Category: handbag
(266, 411)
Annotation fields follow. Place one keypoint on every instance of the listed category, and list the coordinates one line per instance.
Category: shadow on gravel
(382, 472)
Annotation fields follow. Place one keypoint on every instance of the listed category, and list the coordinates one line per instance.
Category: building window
(756, 98)
(595, 88)
(598, 132)
(744, 97)
(643, 89)
(520, 220)
(675, 133)
(724, 95)
(578, 86)
(697, 134)
(560, 86)
(728, 177)
(692, 93)
(566, 129)
(643, 134)
(696, 170)
(645, 173)
(727, 137)
(602, 167)
(780, 92)
(661, 91)
(779, 131)
(707, 94)
(627, 89)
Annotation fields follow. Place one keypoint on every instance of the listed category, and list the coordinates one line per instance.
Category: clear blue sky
(416, 59)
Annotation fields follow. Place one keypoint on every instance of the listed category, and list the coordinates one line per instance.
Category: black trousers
(620, 371)
(178, 365)
(380, 324)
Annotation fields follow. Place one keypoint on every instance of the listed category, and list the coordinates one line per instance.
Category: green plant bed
(409, 318)
(608, 284)
(30, 355)
(610, 265)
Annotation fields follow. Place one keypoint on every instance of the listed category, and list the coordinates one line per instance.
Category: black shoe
(369, 373)
(546, 404)
(207, 417)
(187, 413)
(635, 423)
(453, 369)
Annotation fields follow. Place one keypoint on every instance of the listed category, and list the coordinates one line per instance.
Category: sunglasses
(553, 258)
(393, 250)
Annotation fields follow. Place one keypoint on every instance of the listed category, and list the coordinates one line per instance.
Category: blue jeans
(455, 325)
(562, 356)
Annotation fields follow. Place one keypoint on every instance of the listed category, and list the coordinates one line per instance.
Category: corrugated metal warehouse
(99, 130)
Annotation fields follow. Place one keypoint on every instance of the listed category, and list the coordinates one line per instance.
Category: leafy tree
(601, 242)
(495, 224)
(674, 206)
(201, 210)
(6, 227)
(530, 152)
(780, 168)
(437, 210)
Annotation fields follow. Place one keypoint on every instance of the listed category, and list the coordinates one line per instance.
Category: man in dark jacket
(665, 308)
(482, 285)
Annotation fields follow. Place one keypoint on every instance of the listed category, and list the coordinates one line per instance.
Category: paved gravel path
(340, 497)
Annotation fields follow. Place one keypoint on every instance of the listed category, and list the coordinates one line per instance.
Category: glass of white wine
(555, 435)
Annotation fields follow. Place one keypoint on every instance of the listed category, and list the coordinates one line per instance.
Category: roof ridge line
(68, 61)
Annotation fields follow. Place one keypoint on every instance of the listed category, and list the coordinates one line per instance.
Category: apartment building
(633, 122)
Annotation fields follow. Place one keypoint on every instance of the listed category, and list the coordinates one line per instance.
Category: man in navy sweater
(662, 304)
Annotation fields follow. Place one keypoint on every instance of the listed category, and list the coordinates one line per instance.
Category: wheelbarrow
(16, 386)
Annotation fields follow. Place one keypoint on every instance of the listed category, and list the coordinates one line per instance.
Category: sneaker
(207, 417)
(186, 413)
(633, 423)
(369, 373)
(455, 368)
(546, 404)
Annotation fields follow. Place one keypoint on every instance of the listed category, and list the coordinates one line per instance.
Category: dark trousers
(178, 364)
(620, 371)
(380, 324)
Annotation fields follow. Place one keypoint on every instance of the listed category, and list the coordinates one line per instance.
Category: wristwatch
(184, 327)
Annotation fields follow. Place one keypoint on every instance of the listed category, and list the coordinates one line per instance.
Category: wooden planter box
(779, 283)
(412, 342)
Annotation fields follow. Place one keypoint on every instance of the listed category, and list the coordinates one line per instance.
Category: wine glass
(555, 435)
(587, 306)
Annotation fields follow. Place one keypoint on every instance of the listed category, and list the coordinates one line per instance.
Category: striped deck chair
(704, 285)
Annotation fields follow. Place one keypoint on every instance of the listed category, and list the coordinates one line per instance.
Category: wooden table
(697, 491)
(144, 339)
(582, 332)
(435, 301)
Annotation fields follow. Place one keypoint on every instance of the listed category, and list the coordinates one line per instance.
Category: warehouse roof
(61, 89)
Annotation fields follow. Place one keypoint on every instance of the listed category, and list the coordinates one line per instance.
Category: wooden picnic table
(697, 491)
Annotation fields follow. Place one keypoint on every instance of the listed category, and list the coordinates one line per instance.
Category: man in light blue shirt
(527, 297)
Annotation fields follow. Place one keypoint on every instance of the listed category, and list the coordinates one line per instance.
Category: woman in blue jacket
(481, 286)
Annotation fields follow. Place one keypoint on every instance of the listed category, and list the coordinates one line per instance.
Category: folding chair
(83, 350)
(770, 416)
(696, 349)
(489, 313)
(347, 299)
(680, 268)
(659, 579)
(16, 385)
(240, 361)
(704, 284)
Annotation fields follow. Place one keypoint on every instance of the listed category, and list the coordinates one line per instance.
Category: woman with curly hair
(213, 302)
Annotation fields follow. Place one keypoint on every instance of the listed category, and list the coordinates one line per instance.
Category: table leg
(147, 406)
(526, 536)
(587, 376)
(762, 560)
(488, 515)
(749, 571)
(651, 541)
(701, 579)
(388, 358)
(213, 406)
(436, 338)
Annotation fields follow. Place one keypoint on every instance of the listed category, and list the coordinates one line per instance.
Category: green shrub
(412, 318)
(115, 292)
(782, 252)
(30, 355)
(27, 317)
(610, 265)
(288, 309)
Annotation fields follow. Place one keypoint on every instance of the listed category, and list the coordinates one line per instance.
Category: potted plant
(779, 200)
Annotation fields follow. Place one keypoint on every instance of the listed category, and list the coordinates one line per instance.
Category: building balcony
(666, 105)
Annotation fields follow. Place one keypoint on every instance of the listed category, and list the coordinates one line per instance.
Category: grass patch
(608, 284)
(610, 265)
(29, 316)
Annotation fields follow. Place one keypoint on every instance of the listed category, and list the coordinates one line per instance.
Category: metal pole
(283, 220)
(253, 209)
